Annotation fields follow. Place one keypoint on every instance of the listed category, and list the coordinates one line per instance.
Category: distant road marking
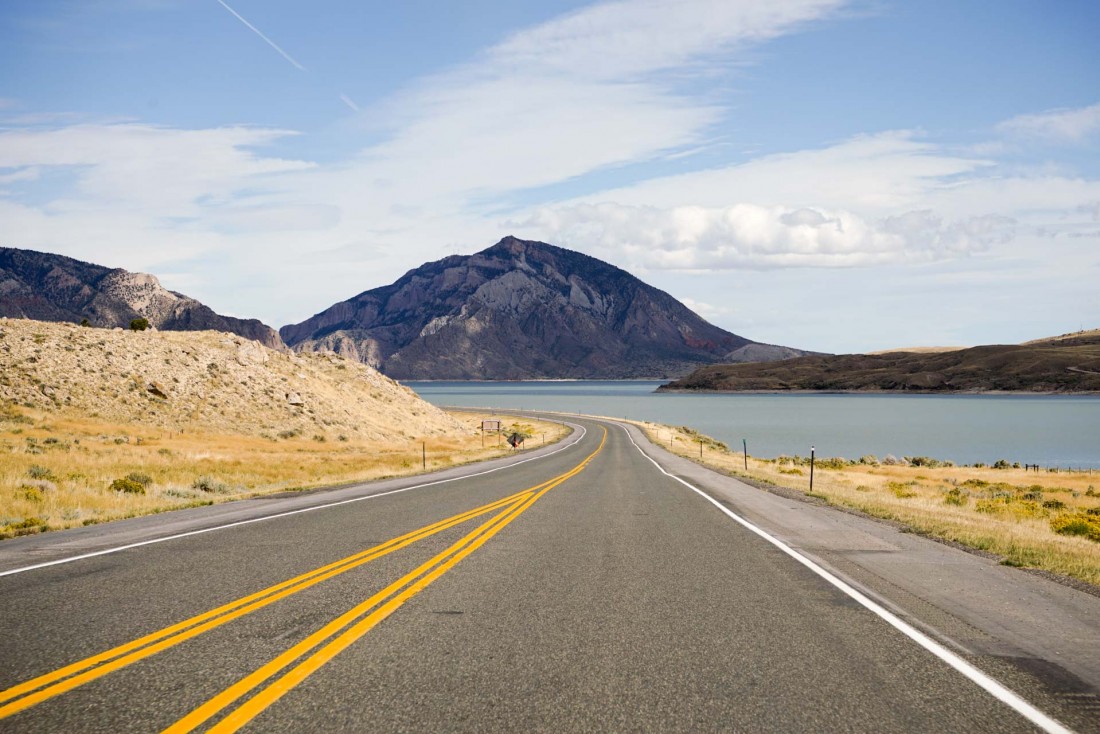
(989, 684)
(76, 674)
(340, 636)
(239, 523)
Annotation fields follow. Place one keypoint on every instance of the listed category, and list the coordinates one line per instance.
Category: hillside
(48, 287)
(520, 310)
(1045, 367)
(212, 381)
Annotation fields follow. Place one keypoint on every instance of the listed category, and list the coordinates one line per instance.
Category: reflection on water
(1045, 430)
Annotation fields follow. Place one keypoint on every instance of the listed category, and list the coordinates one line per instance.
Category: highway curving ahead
(584, 589)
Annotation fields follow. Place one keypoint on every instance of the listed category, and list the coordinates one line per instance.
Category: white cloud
(168, 172)
(752, 236)
(881, 173)
(871, 200)
(1056, 126)
(707, 310)
(26, 173)
(619, 40)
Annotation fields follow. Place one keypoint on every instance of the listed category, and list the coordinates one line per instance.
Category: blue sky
(840, 176)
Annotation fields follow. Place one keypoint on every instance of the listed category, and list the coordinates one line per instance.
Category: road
(585, 589)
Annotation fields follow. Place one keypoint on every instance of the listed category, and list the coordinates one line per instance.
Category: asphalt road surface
(583, 590)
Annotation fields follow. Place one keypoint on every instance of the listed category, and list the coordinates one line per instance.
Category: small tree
(85, 322)
(139, 324)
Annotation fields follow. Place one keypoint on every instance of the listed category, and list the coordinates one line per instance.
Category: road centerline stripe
(36, 690)
(340, 635)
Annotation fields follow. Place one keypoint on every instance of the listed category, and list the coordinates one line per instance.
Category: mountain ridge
(48, 287)
(519, 309)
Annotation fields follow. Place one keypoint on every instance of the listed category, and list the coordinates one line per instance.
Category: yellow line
(103, 663)
(415, 581)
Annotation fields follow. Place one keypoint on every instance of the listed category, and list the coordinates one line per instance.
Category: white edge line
(190, 533)
(987, 683)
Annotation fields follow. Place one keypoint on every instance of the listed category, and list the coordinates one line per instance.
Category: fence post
(811, 469)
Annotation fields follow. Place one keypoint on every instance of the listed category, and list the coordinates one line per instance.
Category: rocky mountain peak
(48, 287)
(519, 309)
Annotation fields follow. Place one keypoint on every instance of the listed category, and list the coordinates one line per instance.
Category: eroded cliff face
(517, 310)
(48, 287)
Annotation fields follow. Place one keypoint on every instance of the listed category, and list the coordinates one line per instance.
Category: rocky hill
(205, 380)
(1060, 365)
(48, 287)
(519, 310)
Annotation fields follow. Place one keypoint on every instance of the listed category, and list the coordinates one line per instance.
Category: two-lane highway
(583, 591)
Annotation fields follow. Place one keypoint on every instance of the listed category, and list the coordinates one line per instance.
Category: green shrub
(128, 486)
(210, 484)
(140, 477)
(926, 461)
(27, 526)
(1080, 523)
(1001, 464)
(139, 324)
(992, 506)
(869, 460)
(40, 472)
(902, 490)
(956, 496)
(835, 462)
(1054, 505)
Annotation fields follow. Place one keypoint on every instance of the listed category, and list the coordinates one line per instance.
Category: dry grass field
(1044, 520)
(60, 472)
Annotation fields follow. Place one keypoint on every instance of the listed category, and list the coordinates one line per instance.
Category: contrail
(257, 31)
(349, 102)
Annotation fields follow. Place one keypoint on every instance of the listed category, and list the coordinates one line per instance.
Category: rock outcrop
(48, 287)
(518, 310)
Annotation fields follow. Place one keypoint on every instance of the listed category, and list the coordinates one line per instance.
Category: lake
(1062, 431)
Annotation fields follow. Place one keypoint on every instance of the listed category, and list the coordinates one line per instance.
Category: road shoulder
(1015, 622)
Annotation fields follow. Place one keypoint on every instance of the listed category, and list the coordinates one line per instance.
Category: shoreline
(944, 393)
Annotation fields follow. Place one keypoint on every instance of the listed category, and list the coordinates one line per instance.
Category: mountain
(518, 310)
(47, 287)
(1069, 364)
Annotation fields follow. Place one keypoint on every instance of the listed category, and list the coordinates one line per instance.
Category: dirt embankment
(210, 381)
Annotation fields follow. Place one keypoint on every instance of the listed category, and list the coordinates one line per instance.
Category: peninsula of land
(1066, 364)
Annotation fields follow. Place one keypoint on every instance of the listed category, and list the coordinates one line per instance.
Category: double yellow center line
(321, 646)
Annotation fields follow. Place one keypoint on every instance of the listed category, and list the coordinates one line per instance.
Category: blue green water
(1045, 430)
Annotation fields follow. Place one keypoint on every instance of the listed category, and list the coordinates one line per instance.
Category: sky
(829, 175)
